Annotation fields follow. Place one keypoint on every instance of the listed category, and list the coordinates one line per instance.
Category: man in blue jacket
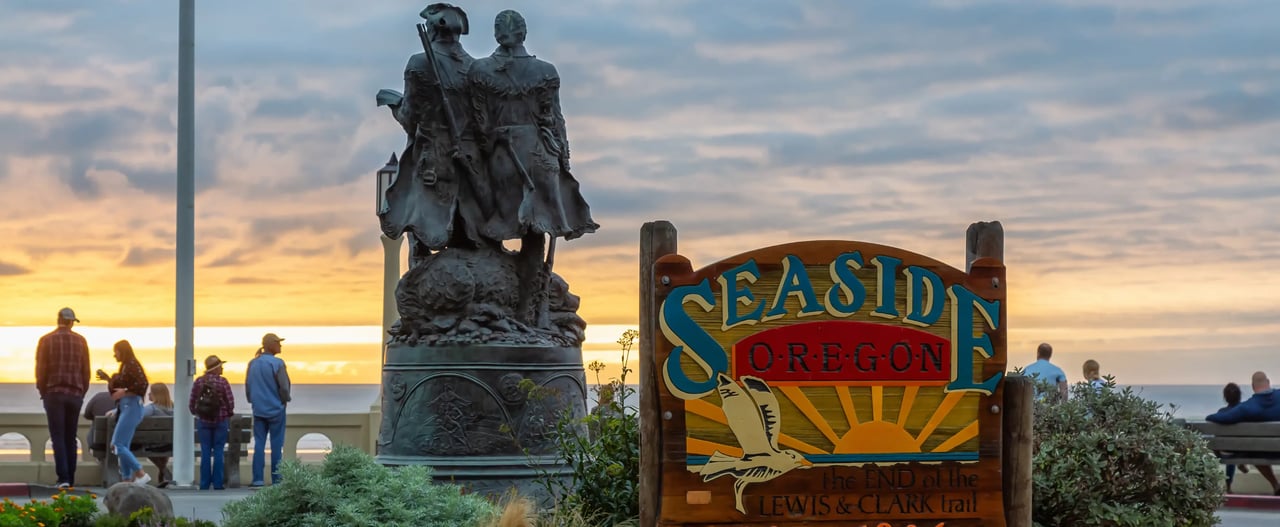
(1263, 406)
(266, 386)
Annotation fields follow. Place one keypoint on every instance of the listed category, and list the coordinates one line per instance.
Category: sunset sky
(1132, 154)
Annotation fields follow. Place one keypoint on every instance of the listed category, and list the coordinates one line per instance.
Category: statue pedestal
(481, 416)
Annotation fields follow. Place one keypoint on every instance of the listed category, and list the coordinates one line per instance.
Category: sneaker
(62, 485)
(256, 485)
(142, 481)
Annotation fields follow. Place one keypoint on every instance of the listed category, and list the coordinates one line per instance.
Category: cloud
(8, 269)
(144, 256)
(1120, 144)
(250, 280)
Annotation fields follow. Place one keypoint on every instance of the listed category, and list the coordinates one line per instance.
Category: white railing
(356, 429)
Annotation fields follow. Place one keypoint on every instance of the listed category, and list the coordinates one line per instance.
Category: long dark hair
(125, 350)
(1231, 394)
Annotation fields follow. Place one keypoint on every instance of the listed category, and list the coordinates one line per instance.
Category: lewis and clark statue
(486, 162)
(487, 355)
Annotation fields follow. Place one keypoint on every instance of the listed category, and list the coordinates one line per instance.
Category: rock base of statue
(481, 416)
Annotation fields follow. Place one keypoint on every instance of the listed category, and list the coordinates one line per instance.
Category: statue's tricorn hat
(435, 13)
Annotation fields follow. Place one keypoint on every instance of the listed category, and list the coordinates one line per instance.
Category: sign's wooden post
(1018, 430)
(824, 382)
(657, 239)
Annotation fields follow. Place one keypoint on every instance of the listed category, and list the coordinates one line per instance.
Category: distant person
(62, 378)
(267, 387)
(1093, 375)
(1231, 395)
(1050, 380)
(99, 405)
(128, 386)
(161, 406)
(1263, 406)
(213, 404)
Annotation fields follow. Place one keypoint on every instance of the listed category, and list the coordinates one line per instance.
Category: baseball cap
(271, 337)
(67, 314)
(212, 362)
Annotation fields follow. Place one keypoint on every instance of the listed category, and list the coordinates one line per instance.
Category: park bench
(1241, 443)
(154, 438)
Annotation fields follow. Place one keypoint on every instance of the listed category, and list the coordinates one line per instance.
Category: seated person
(1264, 406)
(99, 405)
(161, 405)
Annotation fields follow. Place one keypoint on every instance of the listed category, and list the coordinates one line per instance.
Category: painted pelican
(751, 410)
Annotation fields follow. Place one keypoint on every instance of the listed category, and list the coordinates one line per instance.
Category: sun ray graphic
(908, 400)
(941, 413)
(944, 427)
(710, 411)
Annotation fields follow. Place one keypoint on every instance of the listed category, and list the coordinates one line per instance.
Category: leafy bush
(63, 510)
(351, 489)
(1107, 457)
(604, 483)
(146, 517)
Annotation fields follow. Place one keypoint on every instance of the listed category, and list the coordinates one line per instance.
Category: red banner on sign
(843, 352)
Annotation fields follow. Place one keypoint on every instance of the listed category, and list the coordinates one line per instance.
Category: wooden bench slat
(1258, 443)
(1237, 430)
(1249, 461)
(1246, 444)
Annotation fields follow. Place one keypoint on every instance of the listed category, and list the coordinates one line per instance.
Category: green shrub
(63, 510)
(351, 489)
(604, 483)
(1107, 457)
(77, 511)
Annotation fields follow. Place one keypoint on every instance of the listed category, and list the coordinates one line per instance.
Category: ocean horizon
(1190, 401)
(1187, 401)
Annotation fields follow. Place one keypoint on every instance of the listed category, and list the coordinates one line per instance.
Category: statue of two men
(487, 158)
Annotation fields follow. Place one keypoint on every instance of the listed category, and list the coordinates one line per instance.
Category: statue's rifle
(455, 132)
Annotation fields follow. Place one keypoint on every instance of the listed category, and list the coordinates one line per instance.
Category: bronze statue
(487, 161)
(515, 100)
(436, 195)
(487, 353)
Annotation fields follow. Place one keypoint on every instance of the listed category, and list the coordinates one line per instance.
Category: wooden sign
(826, 382)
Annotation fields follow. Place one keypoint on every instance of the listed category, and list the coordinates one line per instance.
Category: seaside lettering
(846, 296)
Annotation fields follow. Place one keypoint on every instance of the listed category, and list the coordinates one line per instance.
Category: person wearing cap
(267, 387)
(62, 378)
(214, 428)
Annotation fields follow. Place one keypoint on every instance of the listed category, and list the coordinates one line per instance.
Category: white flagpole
(184, 316)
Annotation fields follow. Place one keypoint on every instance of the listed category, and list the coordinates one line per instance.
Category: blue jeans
(213, 441)
(62, 411)
(128, 416)
(263, 427)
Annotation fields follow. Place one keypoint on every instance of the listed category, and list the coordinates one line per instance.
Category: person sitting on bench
(1262, 407)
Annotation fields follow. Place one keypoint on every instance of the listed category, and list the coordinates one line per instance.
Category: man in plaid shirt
(62, 377)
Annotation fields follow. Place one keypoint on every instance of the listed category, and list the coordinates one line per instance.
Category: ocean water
(1189, 401)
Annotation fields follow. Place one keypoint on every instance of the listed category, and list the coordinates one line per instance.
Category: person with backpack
(267, 387)
(213, 404)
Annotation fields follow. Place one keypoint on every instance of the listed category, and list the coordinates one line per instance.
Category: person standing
(1050, 380)
(128, 386)
(213, 404)
(1263, 406)
(267, 387)
(62, 378)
